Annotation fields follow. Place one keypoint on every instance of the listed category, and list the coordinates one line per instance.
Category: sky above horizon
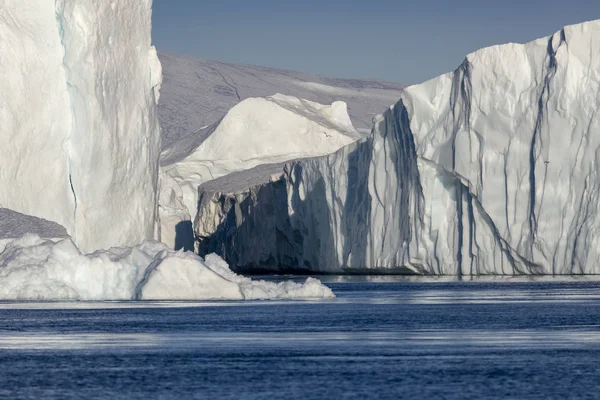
(400, 41)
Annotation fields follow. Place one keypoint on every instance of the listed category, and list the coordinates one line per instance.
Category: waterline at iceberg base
(79, 161)
(32, 268)
(491, 169)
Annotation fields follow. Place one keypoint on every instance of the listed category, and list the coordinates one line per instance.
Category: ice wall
(79, 139)
(491, 169)
(256, 131)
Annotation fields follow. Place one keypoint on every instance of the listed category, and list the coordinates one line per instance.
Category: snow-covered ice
(197, 93)
(267, 128)
(216, 121)
(490, 169)
(32, 268)
(80, 138)
(257, 131)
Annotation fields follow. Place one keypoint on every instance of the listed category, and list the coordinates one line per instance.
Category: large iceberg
(32, 268)
(79, 163)
(256, 131)
(80, 139)
(491, 169)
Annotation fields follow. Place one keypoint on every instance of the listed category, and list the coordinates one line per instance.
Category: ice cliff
(256, 131)
(80, 139)
(79, 163)
(490, 169)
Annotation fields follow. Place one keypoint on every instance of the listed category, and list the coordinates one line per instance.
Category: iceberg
(14, 225)
(256, 131)
(490, 169)
(79, 162)
(32, 268)
(196, 93)
(80, 138)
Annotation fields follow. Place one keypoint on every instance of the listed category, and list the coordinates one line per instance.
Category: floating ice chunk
(253, 290)
(32, 268)
(184, 276)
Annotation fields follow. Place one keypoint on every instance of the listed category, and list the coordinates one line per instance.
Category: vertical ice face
(491, 169)
(80, 138)
(516, 128)
(35, 113)
(256, 131)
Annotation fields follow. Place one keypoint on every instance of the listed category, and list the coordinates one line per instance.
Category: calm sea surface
(384, 338)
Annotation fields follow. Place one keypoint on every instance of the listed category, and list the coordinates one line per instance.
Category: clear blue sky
(402, 41)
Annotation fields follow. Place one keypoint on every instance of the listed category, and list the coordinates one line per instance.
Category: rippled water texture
(381, 338)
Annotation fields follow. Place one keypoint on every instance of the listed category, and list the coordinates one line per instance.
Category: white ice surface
(490, 169)
(32, 268)
(79, 138)
(197, 93)
(256, 131)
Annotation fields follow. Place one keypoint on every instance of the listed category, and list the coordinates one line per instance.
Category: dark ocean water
(384, 339)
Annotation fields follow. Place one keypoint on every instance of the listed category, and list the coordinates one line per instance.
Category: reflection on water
(471, 279)
(516, 339)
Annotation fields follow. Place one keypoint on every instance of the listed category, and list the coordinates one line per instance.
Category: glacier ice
(197, 93)
(80, 139)
(490, 169)
(79, 162)
(257, 131)
(32, 268)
